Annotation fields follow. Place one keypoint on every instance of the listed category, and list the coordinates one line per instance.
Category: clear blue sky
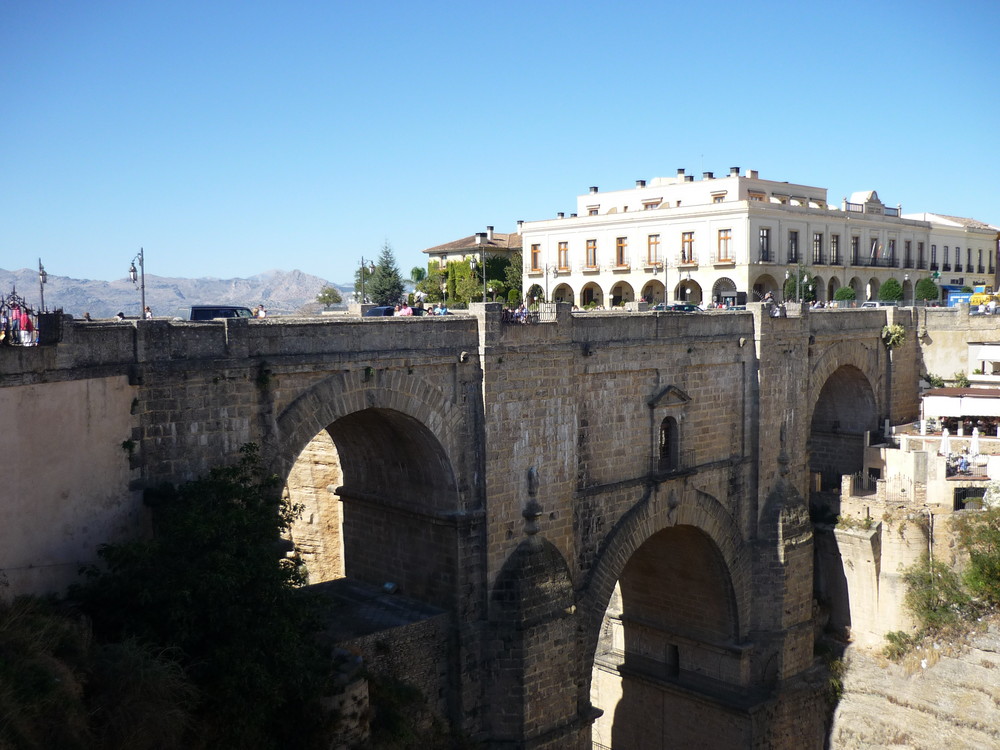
(230, 138)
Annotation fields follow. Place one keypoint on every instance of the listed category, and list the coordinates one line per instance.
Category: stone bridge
(609, 510)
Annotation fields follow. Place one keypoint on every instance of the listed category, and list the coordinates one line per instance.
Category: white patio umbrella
(974, 442)
(945, 448)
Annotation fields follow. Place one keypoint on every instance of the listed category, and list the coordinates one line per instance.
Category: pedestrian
(261, 312)
(120, 317)
(147, 313)
(86, 317)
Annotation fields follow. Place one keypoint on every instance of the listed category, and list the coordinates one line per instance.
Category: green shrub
(979, 534)
(899, 644)
(891, 291)
(961, 380)
(935, 595)
(844, 294)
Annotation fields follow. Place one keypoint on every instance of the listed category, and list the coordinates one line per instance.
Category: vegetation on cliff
(195, 637)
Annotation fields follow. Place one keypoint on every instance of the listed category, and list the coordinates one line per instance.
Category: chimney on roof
(753, 174)
(734, 171)
(640, 183)
(689, 178)
(572, 216)
(707, 176)
(680, 172)
(480, 236)
(560, 215)
(520, 224)
(593, 189)
(489, 233)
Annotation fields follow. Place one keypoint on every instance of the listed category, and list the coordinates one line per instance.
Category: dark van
(211, 312)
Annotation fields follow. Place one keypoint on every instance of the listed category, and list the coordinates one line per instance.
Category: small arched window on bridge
(669, 445)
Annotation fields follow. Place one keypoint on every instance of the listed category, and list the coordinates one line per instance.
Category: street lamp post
(906, 280)
(482, 262)
(369, 269)
(141, 277)
(42, 278)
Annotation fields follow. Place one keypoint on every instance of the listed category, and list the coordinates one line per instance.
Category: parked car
(387, 311)
(212, 312)
(683, 307)
(879, 303)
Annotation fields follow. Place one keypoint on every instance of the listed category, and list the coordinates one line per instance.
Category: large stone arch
(393, 436)
(678, 530)
(845, 400)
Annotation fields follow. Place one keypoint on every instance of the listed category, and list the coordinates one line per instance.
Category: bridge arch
(664, 613)
(845, 402)
(385, 497)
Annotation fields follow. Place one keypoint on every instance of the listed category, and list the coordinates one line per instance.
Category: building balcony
(921, 265)
(946, 266)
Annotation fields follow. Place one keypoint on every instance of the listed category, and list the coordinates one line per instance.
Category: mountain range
(281, 292)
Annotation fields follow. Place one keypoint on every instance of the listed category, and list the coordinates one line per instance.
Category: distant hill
(281, 292)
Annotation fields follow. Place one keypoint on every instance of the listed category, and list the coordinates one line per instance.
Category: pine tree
(385, 287)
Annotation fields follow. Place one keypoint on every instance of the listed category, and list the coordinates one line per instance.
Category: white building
(735, 238)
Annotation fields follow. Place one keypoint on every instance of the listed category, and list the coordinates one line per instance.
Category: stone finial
(783, 454)
(532, 509)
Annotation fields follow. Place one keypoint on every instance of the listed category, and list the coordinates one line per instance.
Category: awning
(967, 405)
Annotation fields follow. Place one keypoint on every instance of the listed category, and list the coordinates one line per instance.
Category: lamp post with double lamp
(798, 278)
(906, 281)
(365, 269)
(481, 262)
(139, 275)
(42, 278)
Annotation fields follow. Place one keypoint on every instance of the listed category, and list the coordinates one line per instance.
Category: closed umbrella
(974, 443)
(945, 448)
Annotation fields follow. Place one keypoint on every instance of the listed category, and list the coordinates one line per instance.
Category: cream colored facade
(734, 238)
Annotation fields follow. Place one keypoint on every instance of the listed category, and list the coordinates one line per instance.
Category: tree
(513, 274)
(329, 295)
(926, 290)
(418, 274)
(891, 291)
(805, 289)
(214, 585)
(386, 285)
(844, 294)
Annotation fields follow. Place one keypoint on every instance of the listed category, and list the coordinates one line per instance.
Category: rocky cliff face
(942, 696)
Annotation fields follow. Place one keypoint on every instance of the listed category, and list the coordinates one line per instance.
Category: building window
(892, 253)
(669, 458)
(818, 247)
(920, 255)
(764, 245)
(855, 250)
(793, 246)
(653, 249)
(934, 263)
(907, 249)
(591, 253)
(687, 247)
(591, 212)
(563, 256)
(719, 198)
(650, 205)
(756, 196)
(725, 244)
(536, 257)
(945, 265)
(621, 251)
(980, 269)
(834, 249)
(968, 259)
